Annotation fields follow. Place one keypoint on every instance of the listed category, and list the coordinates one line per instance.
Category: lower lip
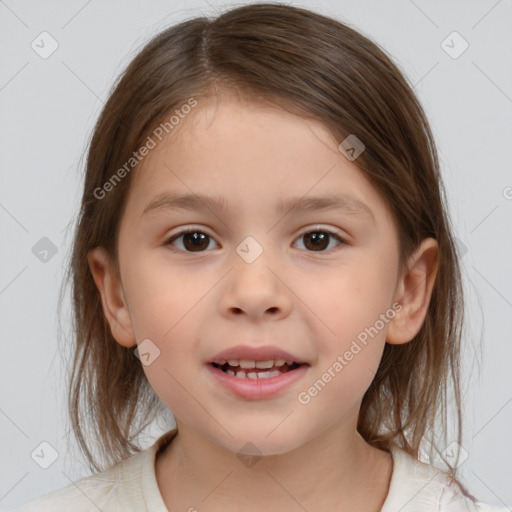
(257, 389)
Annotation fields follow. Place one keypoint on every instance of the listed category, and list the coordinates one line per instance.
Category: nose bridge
(250, 250)
(254, 286)
(255, 257)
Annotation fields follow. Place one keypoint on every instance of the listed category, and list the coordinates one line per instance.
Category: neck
(336, 471)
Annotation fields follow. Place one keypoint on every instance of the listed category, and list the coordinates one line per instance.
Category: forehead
(252, 153)
(233, 130)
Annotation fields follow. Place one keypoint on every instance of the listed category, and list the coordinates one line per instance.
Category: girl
(263, 249)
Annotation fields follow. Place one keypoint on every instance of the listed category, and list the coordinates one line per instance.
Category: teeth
(255, 375)
(264, 364)
(245, 363)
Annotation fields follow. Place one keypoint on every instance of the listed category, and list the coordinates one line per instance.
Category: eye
(194, 240)
(318, 240)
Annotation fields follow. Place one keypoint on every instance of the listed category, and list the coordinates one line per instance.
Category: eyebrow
(201, 202)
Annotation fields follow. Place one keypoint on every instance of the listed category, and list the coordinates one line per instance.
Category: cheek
(348, 307)
(164, 308)
(160, 298)
(349, 299)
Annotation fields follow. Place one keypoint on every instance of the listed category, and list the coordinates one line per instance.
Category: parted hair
(319, 68)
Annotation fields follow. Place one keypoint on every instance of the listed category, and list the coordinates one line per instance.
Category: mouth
(263, 381)
(256, 370)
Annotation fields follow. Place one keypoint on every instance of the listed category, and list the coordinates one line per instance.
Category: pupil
(318, 238)
(197, 240)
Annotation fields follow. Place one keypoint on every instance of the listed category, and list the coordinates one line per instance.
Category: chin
(258, 442)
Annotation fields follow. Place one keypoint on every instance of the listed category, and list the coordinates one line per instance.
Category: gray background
(48, 109)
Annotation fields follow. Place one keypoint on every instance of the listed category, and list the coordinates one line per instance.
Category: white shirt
(131, 486)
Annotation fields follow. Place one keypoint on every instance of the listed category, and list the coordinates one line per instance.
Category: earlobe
(115, 309)
(414, 292)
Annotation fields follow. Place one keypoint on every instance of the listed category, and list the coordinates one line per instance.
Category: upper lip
(250, 353)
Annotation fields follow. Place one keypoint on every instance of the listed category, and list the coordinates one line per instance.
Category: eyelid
(189, 228)
(329, 229)
(312, 227)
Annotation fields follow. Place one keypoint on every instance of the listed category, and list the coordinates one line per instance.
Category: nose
(256, 289)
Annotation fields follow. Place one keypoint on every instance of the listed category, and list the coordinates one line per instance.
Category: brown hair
(319, 68)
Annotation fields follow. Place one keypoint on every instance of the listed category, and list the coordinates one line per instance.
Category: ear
(107, 279)
(414, 291)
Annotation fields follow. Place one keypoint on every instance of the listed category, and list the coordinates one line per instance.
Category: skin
(312, 303)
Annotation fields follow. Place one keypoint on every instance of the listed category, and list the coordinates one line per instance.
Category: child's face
(310, 300)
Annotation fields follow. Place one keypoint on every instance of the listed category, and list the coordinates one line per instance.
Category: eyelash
(195, 230)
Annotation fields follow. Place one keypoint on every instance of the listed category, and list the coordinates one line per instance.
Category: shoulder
(115, 489)
(418, 486)
(482, 507)
(453, 500)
